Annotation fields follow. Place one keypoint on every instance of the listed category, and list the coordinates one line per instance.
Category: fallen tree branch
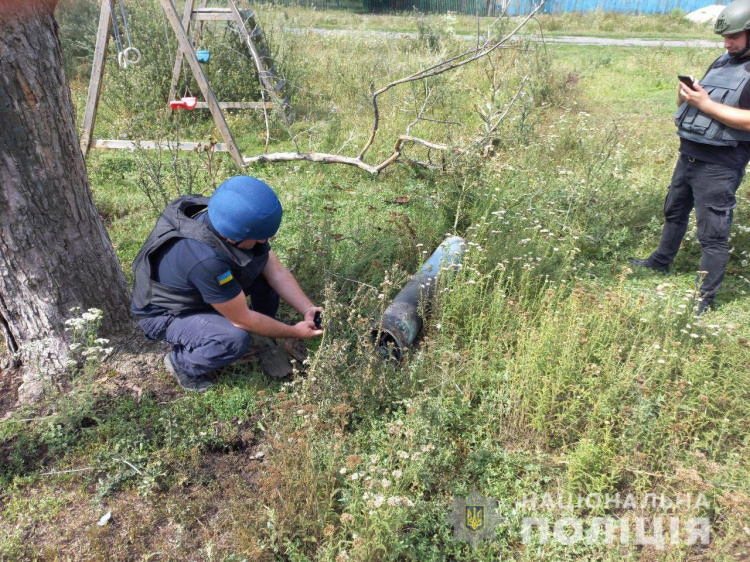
(502, 117)
(322, 157)
(129, 464)
(327, 158)
(440, 67)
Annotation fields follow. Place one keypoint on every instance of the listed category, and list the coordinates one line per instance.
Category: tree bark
(55, 253)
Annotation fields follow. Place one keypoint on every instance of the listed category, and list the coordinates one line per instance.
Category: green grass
(589, 24)
(546, 366)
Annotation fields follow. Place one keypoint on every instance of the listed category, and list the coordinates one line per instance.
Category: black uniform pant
(710, 189)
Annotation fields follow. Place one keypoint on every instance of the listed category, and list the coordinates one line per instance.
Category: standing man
(713, 122)
(195, 270)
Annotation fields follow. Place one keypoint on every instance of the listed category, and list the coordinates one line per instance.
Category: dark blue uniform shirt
(186, 264)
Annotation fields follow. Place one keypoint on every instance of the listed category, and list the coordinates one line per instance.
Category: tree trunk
(55, 253)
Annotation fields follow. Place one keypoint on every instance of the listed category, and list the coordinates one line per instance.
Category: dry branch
(441, 67)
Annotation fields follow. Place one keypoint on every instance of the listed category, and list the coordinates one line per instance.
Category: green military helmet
(734, 18)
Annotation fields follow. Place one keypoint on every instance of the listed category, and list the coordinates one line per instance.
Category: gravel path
(702, 43)
(568, 40)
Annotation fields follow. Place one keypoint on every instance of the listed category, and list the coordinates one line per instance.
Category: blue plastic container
(203, 55)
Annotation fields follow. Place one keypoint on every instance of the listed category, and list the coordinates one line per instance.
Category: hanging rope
(129, 55)
(115, 27)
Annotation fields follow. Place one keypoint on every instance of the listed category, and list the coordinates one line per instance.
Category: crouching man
(196, 269)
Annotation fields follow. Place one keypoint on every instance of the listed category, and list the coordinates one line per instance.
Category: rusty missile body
(402, 321)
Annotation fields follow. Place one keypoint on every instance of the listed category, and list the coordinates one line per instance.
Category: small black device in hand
(687, 80)
(318, 321)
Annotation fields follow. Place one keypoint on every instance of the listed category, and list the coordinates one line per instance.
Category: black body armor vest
(177, 222)
(724, 83)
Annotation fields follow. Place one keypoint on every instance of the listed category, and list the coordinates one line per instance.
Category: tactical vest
(724, 84)
(177, 222)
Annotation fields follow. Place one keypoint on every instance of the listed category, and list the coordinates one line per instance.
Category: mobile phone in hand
(687, 80)
(317, 320)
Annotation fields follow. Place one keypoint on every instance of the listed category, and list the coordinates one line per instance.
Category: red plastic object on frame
(184, 103)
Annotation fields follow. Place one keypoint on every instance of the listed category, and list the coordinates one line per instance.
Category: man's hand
(697, 97)
(733, 117)
(306, 329)
(310, 313)
(237, 312)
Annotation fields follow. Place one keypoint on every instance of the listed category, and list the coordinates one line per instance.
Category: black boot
(650, 264)
(704, 305)
(193, 384)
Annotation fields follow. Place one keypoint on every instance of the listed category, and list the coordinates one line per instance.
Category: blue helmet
(244, 208)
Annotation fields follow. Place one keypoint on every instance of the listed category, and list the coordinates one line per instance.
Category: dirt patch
(178, 523)
(137, 365)
(134, 367)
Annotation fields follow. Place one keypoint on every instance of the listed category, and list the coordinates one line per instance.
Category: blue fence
(516, 7)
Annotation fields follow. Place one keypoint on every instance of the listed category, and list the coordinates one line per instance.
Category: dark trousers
(206, 341)
(710, 189)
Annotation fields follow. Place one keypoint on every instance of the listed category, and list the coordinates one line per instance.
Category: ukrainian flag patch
(225, 277)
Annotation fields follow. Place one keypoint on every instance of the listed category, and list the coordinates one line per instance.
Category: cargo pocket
(715, 186)
(699, 123)
(714, 224)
